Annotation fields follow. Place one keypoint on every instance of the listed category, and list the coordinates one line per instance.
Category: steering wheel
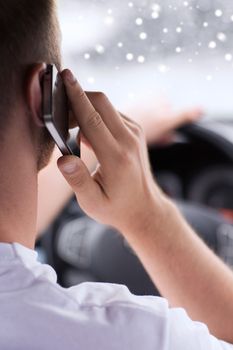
(82, 250)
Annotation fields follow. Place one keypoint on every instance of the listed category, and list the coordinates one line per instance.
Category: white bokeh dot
(109, 20)
(143, 36)
(87, 56)
(91, 80)
(218, 13)
(222, 37)
(156, 7)
(100, 49)
(212, 45)
(139, 21)
(155, 15)
(141, 59)
(129, 56)
(228, 57)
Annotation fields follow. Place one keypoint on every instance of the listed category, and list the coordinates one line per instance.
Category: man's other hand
(159, 120)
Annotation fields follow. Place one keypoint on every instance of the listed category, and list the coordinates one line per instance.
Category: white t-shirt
(37, 314)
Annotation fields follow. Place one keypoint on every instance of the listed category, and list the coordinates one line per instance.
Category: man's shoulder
(100, 315)
(111, 315)
(108, 294)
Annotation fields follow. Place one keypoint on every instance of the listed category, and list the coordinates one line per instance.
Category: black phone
(55, 109)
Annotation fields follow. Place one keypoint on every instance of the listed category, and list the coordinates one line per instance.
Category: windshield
(180, 51)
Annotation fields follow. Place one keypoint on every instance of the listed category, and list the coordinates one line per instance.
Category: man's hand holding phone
(121, 192)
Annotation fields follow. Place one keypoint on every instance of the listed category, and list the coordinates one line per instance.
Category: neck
(18, 200)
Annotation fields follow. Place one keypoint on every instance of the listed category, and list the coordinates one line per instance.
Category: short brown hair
(29, 34)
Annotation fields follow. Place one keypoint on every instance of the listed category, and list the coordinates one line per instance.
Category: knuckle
(78, 180)
(81, 94)
(101, 96)
(134, 144)
(134, 135)
(94, 119)
(125, 159)
(138, 129)
(123, 156)
(139, 135)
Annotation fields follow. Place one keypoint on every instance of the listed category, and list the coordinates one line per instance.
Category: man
(36, 313)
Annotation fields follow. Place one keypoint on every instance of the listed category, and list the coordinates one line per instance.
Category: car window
(133, 50)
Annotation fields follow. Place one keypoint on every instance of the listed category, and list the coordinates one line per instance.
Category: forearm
(186, 271)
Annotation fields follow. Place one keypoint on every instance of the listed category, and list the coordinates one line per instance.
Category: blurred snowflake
(137, 26)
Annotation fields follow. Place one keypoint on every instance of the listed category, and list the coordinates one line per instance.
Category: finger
(129, 120)
(104, 107)
(87, 154)
(131, 124)
(89, 159)
(82, 139)
(188, 116)
(78, 138)
(167, 139)
(78, 177)
(89, 120)
(72, 120)
(124, 117)
(192, 115)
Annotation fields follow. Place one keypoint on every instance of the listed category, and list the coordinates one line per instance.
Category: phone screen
(55, 109)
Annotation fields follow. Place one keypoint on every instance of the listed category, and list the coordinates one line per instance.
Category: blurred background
(175, 50)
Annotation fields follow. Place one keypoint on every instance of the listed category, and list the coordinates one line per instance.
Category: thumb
(78, 177)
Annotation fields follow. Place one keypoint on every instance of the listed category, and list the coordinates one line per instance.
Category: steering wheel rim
(94, 252)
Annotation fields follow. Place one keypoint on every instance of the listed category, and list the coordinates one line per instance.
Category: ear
(34, 92)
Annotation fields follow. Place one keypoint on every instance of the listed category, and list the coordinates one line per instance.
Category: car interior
(195, 170)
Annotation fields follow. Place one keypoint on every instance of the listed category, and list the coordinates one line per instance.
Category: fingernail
(69, 167)
(69, 77)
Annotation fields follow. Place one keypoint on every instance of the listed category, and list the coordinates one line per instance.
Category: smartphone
(55, 109)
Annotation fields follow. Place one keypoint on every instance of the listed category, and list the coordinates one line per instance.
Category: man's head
(29, 35)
